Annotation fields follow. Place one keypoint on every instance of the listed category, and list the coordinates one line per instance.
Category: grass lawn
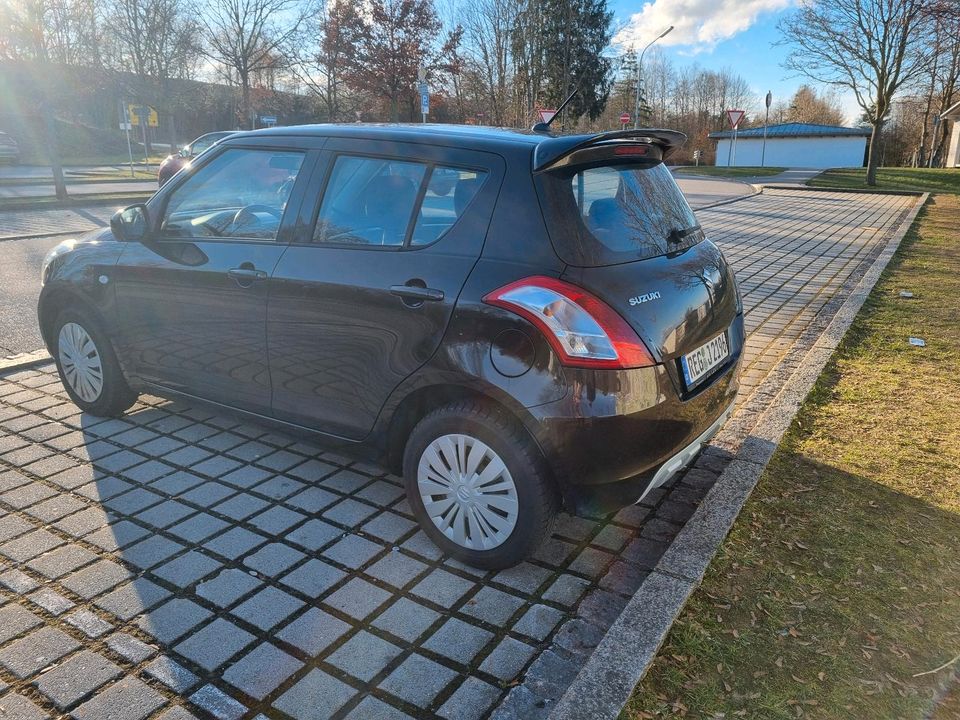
(105, 159)
(838, 589)
(734, 172)
(943, 180)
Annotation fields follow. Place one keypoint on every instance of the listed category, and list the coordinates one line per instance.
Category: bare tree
(246, 36)
(872, 47)
(156, 41)
(61, 31)
(488, 26)
(809, 106)
(324, 46)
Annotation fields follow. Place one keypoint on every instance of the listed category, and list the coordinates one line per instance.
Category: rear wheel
(478, 485)
(88, 367)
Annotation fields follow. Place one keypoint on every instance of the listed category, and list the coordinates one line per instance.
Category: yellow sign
(135, 111)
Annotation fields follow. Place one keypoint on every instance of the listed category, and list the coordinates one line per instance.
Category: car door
(192, 301)
(364, 294)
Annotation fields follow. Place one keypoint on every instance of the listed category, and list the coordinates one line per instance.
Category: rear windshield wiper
(676, 235)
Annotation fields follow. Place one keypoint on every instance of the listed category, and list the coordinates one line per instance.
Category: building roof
(952, 112)
(792, 130)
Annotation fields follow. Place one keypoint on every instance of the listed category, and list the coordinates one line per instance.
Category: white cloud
(700, 24)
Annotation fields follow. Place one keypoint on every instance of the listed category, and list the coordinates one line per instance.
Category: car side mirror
(184, 153)
(131, 224)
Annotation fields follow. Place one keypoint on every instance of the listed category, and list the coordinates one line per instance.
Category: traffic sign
(424, 99)
(546, 115)
(624, 118)
(268, 119)
(135, 112)
(735, 116)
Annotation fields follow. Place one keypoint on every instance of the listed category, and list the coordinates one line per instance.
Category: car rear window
(611, 214)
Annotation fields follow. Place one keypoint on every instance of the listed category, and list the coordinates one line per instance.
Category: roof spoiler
(549, 152)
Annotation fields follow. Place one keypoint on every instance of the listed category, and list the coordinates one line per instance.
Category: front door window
(239, 194)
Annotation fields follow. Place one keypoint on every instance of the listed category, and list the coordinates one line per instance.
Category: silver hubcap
(80, 361)
(467, 491)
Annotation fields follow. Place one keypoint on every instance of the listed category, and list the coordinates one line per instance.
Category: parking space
(182, 563)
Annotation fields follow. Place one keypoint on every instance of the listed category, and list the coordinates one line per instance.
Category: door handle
(416, 294)
(246, 274)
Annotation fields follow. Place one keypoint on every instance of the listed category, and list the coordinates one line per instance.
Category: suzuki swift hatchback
(516, 322)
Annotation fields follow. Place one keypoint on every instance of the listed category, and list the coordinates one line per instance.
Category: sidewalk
(793, 176)
(18, 224)
(701, 190)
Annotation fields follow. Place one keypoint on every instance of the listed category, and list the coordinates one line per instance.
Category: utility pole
(125, 119)
(636, 109)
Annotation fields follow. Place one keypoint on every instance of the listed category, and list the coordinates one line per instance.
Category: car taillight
(582, 329)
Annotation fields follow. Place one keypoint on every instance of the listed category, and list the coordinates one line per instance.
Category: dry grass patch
(840, 582)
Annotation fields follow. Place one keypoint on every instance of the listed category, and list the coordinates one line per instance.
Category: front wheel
(88, 367)
(478, 486)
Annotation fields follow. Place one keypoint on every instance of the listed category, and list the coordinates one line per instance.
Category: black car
(554, 330)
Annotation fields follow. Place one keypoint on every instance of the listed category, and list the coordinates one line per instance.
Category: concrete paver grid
(228, 583)
(791, 251)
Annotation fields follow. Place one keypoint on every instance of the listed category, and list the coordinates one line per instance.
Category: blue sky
(736, 34)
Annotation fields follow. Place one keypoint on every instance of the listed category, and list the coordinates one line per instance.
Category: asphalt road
(20, 267)
(19, 288)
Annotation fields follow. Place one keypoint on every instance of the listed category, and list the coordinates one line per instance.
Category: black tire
(537, 499)
(115, 396)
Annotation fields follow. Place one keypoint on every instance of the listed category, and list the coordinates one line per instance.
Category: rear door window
(610, 214)
(448, 194)
(369, 201)
(372, 202)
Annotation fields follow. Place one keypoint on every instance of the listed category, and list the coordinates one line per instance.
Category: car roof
(401, 131)
(546, 146)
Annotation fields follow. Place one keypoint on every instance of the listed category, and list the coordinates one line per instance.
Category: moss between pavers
(839, 583)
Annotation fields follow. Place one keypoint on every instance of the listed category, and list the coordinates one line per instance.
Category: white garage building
(952, 114)
(799, 145)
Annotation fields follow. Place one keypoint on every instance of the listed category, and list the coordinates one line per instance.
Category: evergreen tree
(575, 34)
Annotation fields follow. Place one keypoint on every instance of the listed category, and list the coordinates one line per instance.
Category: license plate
(700, 362)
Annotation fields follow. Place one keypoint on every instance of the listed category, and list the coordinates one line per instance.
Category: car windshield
(612, 214)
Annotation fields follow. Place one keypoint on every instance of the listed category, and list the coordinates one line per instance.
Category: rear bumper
(620, 433)
(683, 458)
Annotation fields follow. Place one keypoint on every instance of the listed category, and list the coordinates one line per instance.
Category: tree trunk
(173, 133)
(245, 101)
(53, 149)
(872, 155)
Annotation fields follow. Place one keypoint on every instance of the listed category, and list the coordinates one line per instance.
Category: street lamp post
(636, 109)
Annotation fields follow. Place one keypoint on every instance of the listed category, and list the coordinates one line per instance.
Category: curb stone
(605, 683)
(861, 191)
(22, 361)
(757, 189)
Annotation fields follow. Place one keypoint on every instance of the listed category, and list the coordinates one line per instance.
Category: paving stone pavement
(139, 581)
(21, 223)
